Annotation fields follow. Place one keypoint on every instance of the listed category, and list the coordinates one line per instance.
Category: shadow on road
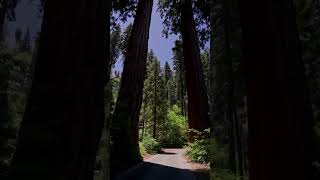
(151, 171)
(164, 152)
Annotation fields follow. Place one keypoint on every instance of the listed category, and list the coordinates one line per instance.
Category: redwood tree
(280, 116)
(64, 116)
(124, 127)
(198, 107)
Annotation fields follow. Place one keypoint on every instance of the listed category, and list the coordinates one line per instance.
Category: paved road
(169, 165)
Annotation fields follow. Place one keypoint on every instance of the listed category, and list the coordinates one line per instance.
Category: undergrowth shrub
(175, 129)
(199, 149)
(142, 149)
(150, 145)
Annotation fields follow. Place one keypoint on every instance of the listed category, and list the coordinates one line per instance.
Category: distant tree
(115, 43)
(168, 75)
(7, 11)
(25, 45)
(154, 92)
(18, 37)
(171, 92)
(205, 64)
(124, 39)
(167, 72)
(179, 68)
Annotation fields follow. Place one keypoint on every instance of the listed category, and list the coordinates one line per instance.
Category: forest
(159, 89)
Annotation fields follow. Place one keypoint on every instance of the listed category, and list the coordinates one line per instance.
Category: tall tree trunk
(5, 119)
(218, 71)
(3, 10)
(64, 117)
(198, 107)
(229, 86)
(104, 151)
(280, 115)
(124, 129)
(211, 81)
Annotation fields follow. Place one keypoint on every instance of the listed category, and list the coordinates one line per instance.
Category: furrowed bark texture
(198, 107)
(64, 116)
(280, 116)
(124, 128)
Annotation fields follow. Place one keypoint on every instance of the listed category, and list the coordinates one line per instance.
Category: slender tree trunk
(198, 107)
(280, 115)
(143, 124)
(64, 116)
(124, 129)
(154, 129)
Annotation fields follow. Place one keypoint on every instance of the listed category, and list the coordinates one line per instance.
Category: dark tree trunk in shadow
(280, 116)
(198, 107)
(5, 118)
(64, 116)
(124, 128)
(104, 151)
(3, 10)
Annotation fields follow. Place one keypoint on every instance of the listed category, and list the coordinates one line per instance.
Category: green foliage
(170, 12)
(124, 39)
(14, 83)
(199, 149)
(115, 43)
(174, 132)
(150, 145)
(154, 96)
(143, 150)
(179, 79)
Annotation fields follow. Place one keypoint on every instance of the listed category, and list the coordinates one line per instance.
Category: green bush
(142, 149)
(174, 131)
(151, 145)
(199, 150)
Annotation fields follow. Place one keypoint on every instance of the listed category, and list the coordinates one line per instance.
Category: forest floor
(171, 164)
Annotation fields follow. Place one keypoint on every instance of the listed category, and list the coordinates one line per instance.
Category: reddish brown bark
(124, 130)
(64, 116)
(198, 107)
(279, 112)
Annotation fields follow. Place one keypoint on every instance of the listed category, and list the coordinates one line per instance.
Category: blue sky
(27, 16)
(161, 46)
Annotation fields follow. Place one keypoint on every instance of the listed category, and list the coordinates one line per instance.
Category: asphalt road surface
(169, 165)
